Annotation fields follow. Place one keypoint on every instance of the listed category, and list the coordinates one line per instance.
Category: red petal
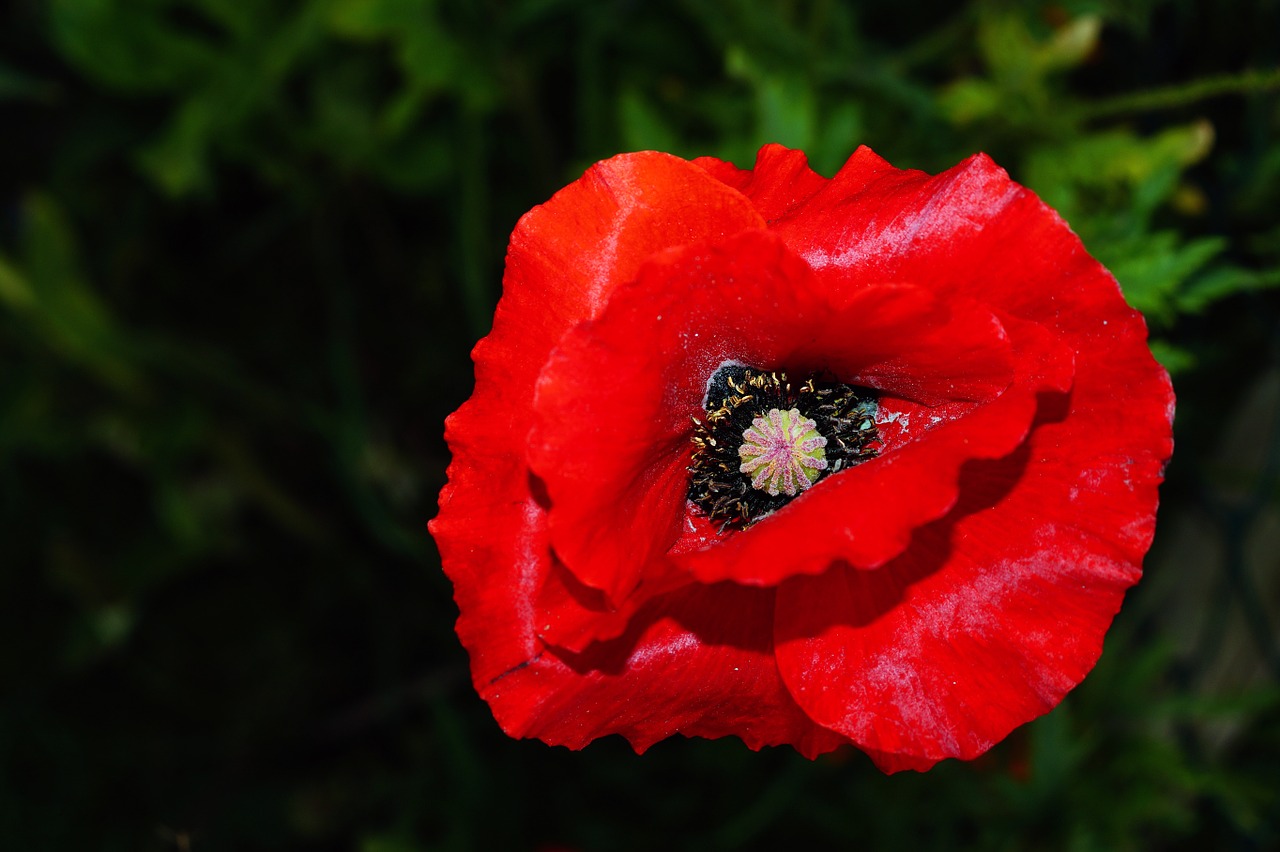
(565, 257)
(614, 403)
(993, 613)
(866, 515)
(988, 619)
(780, 183)
(697, 662)
(967, 232)
(571, 615)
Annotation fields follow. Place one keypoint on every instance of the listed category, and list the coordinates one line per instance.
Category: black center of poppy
(766, 439)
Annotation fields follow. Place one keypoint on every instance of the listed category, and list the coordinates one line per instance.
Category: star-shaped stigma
(782, 452)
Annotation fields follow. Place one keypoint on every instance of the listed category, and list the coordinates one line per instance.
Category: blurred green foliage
(244, 250)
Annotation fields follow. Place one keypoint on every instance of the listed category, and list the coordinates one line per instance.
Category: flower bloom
(864, 460)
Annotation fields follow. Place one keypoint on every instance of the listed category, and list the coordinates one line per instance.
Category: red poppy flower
(865, 460)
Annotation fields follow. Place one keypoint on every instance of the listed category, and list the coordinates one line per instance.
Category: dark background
(245, 248)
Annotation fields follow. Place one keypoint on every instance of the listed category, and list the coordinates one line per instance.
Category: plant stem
(1187, 93)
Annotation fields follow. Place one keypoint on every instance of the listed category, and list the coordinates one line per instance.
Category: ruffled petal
(998, 609)
(571, 615)
(615, 401)
(779, 184)
(986, 618)
(968, 232)
(697, 662)
(565, 258)
(984, 623)
(567, 255)
(866, 515)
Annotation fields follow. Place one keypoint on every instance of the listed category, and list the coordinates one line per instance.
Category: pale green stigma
(782, 452)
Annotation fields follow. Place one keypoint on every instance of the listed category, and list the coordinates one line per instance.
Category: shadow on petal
(865, 596)
(723, 614)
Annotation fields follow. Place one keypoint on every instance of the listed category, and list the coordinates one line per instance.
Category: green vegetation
(245, 248)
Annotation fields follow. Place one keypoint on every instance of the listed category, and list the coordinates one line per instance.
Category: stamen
(766, 439)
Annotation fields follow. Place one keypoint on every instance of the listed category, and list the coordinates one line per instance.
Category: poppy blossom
(869, 459)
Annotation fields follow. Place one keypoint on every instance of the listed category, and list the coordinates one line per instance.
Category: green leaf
(373, 19)
(1223, 282)
(841, 132)
(1173, 358)
(785, 103)
(14, 289)
(1007, 47)
(1153, 269)
(970, 100)
(49, 289)
(1071, 43)
(127, 44)
(1109, 184)
(643, 127)
(785, 112)
(179, 160)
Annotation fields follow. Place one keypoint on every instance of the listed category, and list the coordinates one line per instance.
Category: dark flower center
(765, 440)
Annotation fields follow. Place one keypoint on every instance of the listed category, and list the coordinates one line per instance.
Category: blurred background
(245, 248)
